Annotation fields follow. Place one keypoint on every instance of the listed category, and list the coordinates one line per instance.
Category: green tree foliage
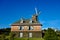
(12, 36)
(5, 31)
(58, 34)
(50, 35)
(2, 36)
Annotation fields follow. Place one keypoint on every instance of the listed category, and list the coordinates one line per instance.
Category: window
(32, 21)
(21, 34)
(30, 28)
(21, 21)
(21, 28)
(30, 34)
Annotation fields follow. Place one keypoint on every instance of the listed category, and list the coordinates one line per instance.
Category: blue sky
(13, 10)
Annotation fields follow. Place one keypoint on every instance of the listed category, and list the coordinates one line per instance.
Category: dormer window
(30, 28)
(21, 21)
(21, 28)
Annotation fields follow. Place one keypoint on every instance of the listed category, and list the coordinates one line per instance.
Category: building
(27, 27)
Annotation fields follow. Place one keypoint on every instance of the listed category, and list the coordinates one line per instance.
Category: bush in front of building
(50, 34)
(11, 36)
(2, 37)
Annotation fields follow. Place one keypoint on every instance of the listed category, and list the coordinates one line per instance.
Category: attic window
(23, 21)
(32, 21)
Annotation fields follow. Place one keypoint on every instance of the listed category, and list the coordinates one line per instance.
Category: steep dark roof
(26, 22)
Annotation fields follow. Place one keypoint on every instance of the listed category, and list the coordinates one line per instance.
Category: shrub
(50, 35)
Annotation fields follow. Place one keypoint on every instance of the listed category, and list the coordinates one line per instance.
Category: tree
(11, 36)
(50, 35)
(58, 34)
(2, 36)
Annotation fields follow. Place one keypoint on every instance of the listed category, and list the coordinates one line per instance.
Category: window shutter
(22, 28)
(19, 27)
(28, 28)
(31, 28)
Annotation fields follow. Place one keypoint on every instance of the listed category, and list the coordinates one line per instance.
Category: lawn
(29, 39)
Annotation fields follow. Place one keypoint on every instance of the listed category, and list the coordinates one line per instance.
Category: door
(21, 34)
(30, 34)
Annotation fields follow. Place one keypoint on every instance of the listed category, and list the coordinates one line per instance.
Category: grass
(8, 38)
(29, 39)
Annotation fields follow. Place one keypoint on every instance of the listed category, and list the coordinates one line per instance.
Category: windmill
(37, 12)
